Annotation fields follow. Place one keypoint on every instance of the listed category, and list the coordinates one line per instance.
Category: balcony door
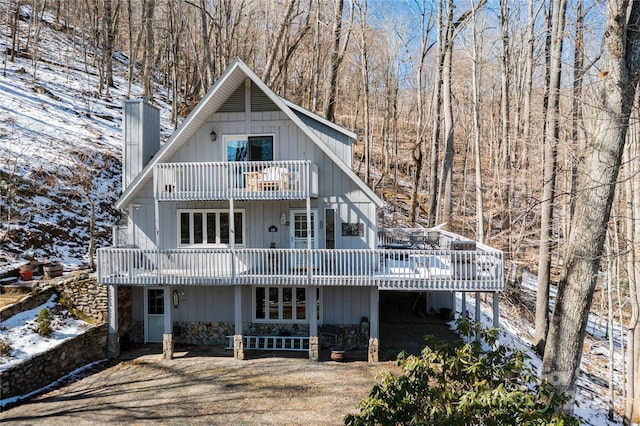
(298, 229)
(243, 149)
(154, 315)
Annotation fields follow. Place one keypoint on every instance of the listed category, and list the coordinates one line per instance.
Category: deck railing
(453, 270)
(259, 180)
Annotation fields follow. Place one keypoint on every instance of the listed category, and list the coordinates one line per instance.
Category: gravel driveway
(200, 386)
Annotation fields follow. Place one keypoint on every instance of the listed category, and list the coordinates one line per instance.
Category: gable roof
(211, 102)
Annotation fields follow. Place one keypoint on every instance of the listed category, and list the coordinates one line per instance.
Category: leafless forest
(512, 122)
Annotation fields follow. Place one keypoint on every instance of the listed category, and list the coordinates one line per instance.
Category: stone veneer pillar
(167, 346)
(238, 347)
(373, 350)
(314, 348)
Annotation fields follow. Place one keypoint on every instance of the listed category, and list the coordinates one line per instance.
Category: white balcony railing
(254, 180)
(449, 270)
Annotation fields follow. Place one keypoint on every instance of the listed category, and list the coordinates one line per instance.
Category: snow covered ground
(56, 128)
(51, 115)
(592, 399)
(21, 331)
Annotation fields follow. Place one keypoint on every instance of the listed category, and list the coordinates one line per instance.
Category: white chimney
(141, 132)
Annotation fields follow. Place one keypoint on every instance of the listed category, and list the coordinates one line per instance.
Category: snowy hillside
(60, 147)
(56, 134)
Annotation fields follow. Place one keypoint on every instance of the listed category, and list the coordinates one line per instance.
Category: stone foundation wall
(215, 333)
(202, 333)
(269, 329)
(347, 337)
(43, 369)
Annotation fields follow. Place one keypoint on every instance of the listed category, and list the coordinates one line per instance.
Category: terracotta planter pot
(26, 274)
(338, 355)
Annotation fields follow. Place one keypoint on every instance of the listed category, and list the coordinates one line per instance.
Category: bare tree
(632, 198)
(148, 68)
(419, 148)
(446, 181)
(337, 55)
(549, 175)
(595, 191)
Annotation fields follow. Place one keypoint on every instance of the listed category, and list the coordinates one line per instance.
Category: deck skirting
(272, 343)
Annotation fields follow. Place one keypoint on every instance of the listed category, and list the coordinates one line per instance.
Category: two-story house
(248, 227)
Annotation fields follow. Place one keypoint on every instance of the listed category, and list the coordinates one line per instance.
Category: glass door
(154, 327)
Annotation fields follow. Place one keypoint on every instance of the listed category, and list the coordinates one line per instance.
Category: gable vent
(235, 103)
(260, 102)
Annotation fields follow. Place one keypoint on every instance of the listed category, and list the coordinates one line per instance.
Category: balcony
(399, 269)
(255, 180)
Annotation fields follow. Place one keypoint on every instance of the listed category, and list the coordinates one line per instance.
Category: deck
(395, 268)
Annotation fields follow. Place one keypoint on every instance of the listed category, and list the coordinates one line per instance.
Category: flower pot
(26, 274)
(338, 355)
(52, 271)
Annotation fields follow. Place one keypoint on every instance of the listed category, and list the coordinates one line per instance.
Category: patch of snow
(592, 403)
(26, 342)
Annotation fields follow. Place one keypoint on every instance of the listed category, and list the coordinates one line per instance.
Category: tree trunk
(208, 63)
(418, 147)
(528, 85)
(447, 164)
(109, 30)
(576, 116)
(549, 175)
(476, 132)
(435, 135)
(334, 63)
(632, 365)
(364, 76)
(147, 74)
(273, 49)
(596, 188)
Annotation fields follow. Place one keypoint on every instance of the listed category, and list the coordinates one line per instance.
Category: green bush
(44, 322)
(473, 383)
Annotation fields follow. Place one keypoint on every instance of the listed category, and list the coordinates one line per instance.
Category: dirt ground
(204, 385)
(198, 387)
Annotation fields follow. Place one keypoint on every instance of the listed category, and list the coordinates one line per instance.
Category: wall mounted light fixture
(283, 218)
(213, 135)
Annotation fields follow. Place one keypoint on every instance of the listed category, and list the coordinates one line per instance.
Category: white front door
(154, 317)
(298, 229)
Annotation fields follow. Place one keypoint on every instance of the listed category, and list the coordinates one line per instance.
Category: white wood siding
(345, 305)
(204, 304)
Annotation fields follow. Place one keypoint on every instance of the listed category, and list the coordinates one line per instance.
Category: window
(330, 228)
(282, 304)
(250, 148)
(209, 227)
(155, 301)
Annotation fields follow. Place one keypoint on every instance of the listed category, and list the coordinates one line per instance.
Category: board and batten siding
(338, 142)
(340, 305)
(199, 304)
(345, 305)
(259, 216)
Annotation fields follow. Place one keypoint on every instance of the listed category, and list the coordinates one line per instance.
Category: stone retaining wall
(85, 294)
(30, 301)
(43, 369)
(81, 291)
